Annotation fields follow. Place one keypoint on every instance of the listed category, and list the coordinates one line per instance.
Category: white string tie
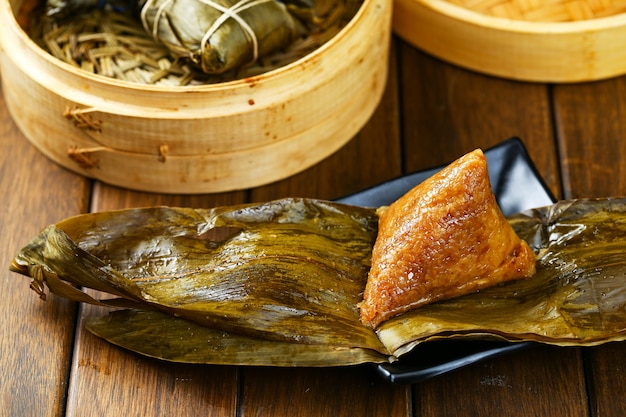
(231, 12)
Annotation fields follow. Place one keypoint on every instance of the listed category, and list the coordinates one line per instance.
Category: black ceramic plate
(517, 186)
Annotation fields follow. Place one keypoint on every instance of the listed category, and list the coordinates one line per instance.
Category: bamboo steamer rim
(524, 26)
(525, 50)
(151, 88)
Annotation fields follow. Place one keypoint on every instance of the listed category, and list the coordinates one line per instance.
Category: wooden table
(431, 113)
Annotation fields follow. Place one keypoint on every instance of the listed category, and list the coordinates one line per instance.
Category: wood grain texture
(353, 391)
(448, 111)
(537, 382)
(591, 125)
(606, 374)
(591, 131)
(35, 336)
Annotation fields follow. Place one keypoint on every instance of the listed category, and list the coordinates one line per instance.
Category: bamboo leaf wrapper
(286, 280)
(289, 265)
(166, 337)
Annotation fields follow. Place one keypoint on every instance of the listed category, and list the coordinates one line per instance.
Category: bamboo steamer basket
(198, 139)
(530, 40)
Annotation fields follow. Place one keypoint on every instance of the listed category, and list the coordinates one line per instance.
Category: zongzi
(220, 35)
(444, 238)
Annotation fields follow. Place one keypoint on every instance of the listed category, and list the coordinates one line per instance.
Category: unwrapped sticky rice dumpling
(444, 238)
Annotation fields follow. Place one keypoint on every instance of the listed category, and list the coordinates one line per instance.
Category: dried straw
(113, 45)
(116, 45)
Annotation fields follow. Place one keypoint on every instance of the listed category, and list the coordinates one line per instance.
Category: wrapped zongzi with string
(220, 35)
(217, 35)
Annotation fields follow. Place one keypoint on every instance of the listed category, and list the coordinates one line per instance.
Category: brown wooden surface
(432, 112)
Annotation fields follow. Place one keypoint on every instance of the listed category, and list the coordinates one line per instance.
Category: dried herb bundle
(281, 286)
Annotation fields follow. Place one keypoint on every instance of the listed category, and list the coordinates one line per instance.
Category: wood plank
(591, 127)
(106, 379)
(535, 382)
(591, 120)
(106, 197)
(36, 337)
(448, 111)
(321, 392)
(607, 382)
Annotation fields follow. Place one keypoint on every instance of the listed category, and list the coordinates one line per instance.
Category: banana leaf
(282, 287)
(577, 296)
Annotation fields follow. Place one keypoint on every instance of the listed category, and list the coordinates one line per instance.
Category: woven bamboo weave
(545, 10)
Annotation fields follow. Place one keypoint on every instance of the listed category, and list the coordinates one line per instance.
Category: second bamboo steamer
(556, 41)
(197, 139)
